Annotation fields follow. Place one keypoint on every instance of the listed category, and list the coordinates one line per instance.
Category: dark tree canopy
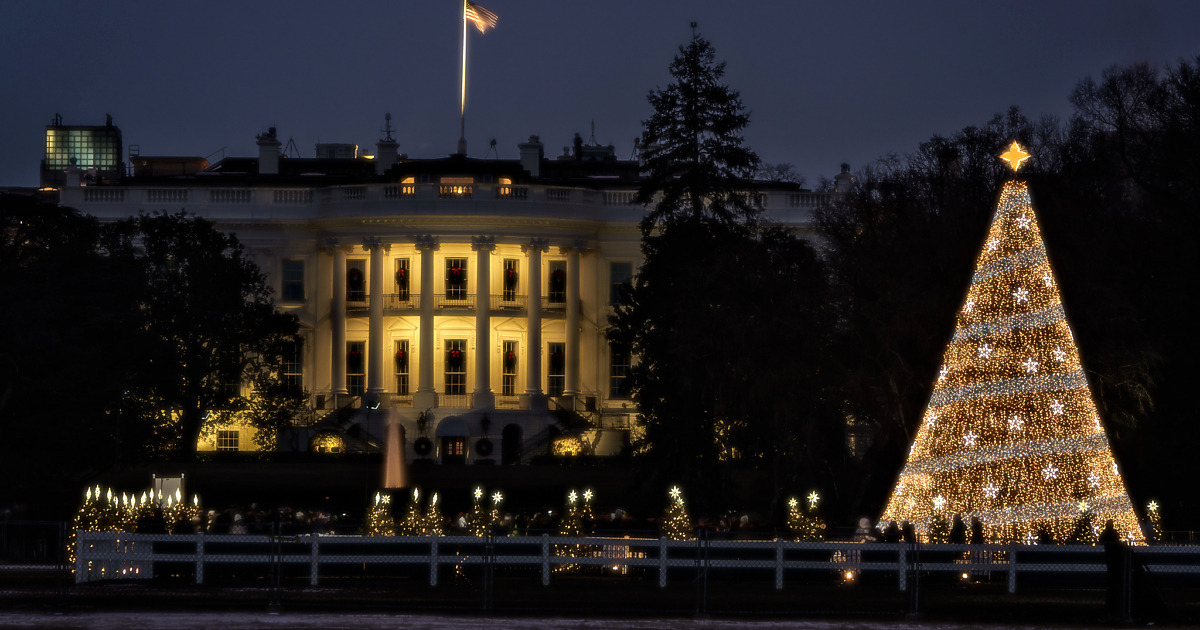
(696, 165)
(116, 340)
(213, 327)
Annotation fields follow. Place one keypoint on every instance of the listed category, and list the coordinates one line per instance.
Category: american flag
(482, 18)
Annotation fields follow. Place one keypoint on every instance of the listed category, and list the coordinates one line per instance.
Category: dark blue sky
(826, 82)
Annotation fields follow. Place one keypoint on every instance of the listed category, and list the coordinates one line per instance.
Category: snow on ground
(300, 621)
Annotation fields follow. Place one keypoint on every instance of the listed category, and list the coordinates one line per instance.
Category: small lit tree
(676, 523)
(478, 520)
(570, 524)
(412, 523)
(805, 526)
(1084, 532)
(433, 524)
(379, 517)
(1155, 518)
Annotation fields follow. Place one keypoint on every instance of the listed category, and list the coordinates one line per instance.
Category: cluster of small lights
(676, 523)
(1011, 435)
(379, 517)
(805, 525)
(578, 510)
(102, 510)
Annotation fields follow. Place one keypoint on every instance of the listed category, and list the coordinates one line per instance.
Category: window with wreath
(508, 369)
(401, 367)
(402, 283)
(456, 366)
(512, 279)
(356, 368)
(556, 369)
(456, 278)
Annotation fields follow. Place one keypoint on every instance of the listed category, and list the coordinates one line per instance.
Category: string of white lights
(987, 454)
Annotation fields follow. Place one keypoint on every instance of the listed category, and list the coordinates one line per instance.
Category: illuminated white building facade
(471, 296)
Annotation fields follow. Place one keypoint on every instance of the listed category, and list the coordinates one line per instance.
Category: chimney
(386, 149)
(531, 155)
(268, 153)
(843, 180)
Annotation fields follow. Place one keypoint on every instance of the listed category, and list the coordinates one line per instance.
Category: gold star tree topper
(1014, 156)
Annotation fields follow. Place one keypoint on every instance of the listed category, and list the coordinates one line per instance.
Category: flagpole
(462, 106)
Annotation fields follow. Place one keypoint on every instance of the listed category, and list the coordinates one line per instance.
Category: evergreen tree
(696, 165)
(379, 517)
(1011, 434)
(676, 523)
(478, 519)
(412, 525)
(434, 523)
(570, 524)
(1155, 518)
(1085, 531)
(714, 379)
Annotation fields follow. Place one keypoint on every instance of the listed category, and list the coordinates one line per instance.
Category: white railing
(300, 202)
(167, 195)
(114, 555)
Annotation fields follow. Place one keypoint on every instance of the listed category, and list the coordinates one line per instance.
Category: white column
(571, 387)
(375, 319)
(534, 398)
(484, 398)
(425, 397)
(337, 319)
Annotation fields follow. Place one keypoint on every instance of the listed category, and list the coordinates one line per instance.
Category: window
(454, 447)
(402, 279)
(402, 367)
(558, 282)
(621, 277)
(456, 278)
(512, 279)
(556, 369)
(227, 440)
(508, 369)
(456, 366)
(355, 368)
(293, 366)
(618, 372)
(356, 280)
(293, 281)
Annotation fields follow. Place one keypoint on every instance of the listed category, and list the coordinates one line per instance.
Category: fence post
(79, 577)
(200, 557)
(662, 563)
(545, 560)
(902, 565)
(1012, 568)
(315, 559)
(779, 564)
(433, 561)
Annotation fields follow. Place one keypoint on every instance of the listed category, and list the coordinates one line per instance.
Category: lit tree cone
(1011, 434)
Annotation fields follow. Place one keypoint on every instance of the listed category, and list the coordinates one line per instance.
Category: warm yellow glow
(1014, 156)
(1011, 435)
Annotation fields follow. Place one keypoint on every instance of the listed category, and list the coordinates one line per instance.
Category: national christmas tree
(1011, 435)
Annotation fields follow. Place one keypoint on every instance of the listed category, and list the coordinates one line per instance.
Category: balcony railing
(504, 302)
(454, 401)
(402, 302)
(454, 301)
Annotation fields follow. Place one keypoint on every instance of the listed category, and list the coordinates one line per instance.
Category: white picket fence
(115, 555)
